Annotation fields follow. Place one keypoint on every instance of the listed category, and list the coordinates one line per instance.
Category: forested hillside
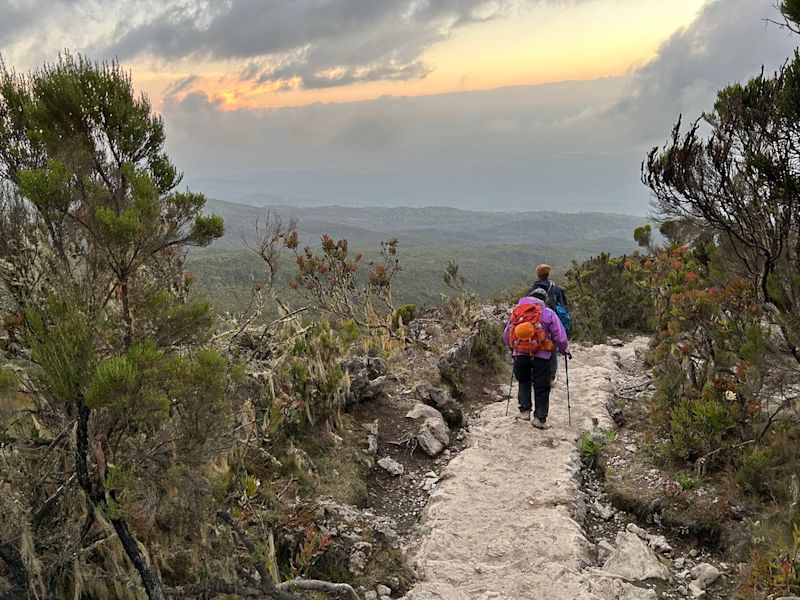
(493, 250)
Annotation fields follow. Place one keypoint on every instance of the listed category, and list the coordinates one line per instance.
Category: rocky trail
(505, 521)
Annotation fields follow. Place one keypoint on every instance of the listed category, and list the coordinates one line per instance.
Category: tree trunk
(94, 491)
(126, 312)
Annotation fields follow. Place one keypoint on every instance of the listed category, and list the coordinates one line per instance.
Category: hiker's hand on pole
(568, 355)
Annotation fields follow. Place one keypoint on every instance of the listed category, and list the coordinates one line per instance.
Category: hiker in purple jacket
(555, 295)
(534, 371)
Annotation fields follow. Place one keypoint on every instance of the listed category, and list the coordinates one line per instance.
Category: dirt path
(501, 524)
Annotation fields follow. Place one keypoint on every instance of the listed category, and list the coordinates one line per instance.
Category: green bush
(698, 427)
(489, 350)
(606, 298)
(685, 481)
(592, 442)
(406, 313)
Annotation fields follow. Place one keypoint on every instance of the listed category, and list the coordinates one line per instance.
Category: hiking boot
(524, 415)
(540, 424)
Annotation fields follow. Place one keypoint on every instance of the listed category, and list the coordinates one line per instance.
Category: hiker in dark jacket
(534, 371)
(555, 293)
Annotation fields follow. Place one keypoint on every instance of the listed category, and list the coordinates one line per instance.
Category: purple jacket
(551, 324)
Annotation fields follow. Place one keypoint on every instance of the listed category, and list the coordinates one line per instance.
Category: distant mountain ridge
(421, 225)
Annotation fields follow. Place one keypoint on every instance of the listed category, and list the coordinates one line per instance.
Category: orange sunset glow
(529, 46)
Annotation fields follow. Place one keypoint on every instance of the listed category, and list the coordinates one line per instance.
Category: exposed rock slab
(500, 522)
(633, 560)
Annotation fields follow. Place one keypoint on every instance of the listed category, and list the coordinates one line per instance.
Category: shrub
(685, 481)
(489, 350)
(592, 442)
(405, 313)
(606, 297)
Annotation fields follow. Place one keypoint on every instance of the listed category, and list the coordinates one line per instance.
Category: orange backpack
(526, 335)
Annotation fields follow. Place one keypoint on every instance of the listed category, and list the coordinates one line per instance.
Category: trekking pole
(567, 356)
(510, 385)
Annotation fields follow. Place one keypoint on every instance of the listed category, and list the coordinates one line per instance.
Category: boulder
(456, 357)
(359, 557)
(604, 512)
(367, 378)
(441, 400)
(634, 561)
(704, 574)
(391, 466)
(372, 437)
(607, 587)
(433, 435)
(423, 411)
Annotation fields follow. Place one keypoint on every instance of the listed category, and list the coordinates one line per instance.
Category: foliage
(686, 482)
(404, 315)
(750, 154)
(489, 351)
(311, 549)
(607, 298)
(727, 302)
(94, 236)
(774, 571)
(458, 308)
(330, 281)
(591, 443)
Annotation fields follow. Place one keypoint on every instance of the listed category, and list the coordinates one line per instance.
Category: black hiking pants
(533, 373)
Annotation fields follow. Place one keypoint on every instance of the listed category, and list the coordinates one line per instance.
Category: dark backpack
(555, 306)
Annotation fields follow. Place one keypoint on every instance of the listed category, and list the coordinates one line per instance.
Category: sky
(479, 104)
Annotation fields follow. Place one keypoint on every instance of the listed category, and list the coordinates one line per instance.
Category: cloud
(568, 146)
(729, 41)
(306, 43)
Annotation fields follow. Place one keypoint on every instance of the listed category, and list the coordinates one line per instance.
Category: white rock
(383, 590)
(631, 592)
(696, 591)
(633, 528)
(631, 448)
(604, 512)
(391, 466)
(433, 435)
(423, 411)
(371, 595)
(659, 544)
(704, 575)
(604, 550)
(633, 560)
